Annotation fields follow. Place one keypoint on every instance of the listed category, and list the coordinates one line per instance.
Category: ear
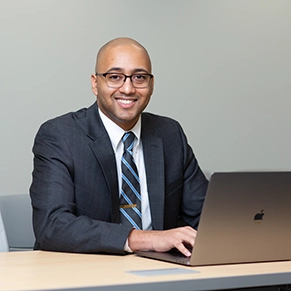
(94, 84)
(152, 84)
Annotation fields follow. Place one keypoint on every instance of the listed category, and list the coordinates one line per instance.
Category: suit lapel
(102, 149)
(154, 164)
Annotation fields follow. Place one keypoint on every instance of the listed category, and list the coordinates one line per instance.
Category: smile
(126, 101)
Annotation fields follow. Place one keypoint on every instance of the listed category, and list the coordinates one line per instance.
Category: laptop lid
(246, 217)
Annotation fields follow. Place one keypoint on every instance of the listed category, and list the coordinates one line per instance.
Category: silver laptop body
(246, 218)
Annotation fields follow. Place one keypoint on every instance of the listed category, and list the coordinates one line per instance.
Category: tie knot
(128, 140)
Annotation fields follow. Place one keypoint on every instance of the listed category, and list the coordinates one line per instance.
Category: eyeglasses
(116, 80)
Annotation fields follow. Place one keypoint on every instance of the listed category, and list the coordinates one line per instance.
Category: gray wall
(222, 69)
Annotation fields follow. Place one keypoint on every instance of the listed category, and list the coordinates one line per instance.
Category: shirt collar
(115, 132)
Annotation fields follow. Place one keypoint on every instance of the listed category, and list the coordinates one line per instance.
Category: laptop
(246, 218)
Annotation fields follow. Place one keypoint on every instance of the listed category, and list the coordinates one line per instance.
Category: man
(78, 177)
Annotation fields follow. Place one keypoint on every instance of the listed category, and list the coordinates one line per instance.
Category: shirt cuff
(127, 248)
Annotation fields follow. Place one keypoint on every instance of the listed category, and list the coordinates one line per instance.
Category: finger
(189, 237)
(189, 230)
(181, 248)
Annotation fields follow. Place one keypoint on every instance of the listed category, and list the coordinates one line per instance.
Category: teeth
(124, 101)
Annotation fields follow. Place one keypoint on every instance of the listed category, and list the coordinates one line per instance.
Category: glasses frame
(125, 77)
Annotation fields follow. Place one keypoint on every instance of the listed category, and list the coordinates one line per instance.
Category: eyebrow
(136, 70)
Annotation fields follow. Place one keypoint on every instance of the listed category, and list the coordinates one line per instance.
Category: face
(122, 105)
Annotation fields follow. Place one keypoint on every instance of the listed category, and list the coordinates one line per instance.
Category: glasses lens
(140, 80)
(115, 80)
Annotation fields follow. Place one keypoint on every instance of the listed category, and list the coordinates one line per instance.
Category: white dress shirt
(115, 134)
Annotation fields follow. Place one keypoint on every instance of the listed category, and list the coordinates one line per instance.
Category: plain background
(222, 69)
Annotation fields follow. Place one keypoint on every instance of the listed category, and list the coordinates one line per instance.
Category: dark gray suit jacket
(75, 194)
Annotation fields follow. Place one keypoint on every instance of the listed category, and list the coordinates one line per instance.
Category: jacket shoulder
(154, 122)
(73, 119)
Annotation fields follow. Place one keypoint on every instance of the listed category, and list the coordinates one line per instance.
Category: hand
(164, 240)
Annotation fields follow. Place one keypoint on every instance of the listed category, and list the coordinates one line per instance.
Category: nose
(127, 87)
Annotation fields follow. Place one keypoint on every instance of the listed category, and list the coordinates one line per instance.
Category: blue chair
(16, 213)
(3, 239)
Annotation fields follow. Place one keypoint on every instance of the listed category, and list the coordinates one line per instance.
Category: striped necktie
(130, 200)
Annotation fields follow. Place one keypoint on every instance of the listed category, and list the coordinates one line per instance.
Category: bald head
(125, 60)
(119, 42)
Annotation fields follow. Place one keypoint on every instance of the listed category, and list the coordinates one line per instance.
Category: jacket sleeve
(186, 184)
(58, 221)
(194, 189)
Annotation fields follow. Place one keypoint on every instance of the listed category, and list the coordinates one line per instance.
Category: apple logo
(259, 216)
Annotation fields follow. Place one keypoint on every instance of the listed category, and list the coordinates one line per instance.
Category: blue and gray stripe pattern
(130, 199)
